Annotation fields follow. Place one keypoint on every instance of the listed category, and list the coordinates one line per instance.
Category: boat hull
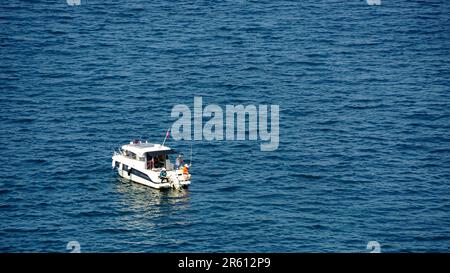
(147, 183)
(129, 170)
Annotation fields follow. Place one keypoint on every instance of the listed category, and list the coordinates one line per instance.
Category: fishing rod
(190, 163)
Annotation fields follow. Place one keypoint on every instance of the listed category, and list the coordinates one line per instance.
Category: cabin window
(124, 167)
(117, 164)
(130, 154)
(159, 161)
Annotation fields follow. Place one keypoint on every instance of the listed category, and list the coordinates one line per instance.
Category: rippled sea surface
(364, 150)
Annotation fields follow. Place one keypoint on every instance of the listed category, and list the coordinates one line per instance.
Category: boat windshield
(129, 154)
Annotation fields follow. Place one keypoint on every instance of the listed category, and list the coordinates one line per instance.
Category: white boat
(142, 162)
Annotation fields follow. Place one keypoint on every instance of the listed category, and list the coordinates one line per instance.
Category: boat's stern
(178, 178)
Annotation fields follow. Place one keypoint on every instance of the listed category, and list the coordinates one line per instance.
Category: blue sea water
(364, 99)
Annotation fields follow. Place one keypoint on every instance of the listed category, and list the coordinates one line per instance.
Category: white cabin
(142, 162)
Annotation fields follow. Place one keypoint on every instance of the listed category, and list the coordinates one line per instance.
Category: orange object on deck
(185, 170)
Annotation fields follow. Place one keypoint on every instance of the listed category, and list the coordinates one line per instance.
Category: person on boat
(186, 171)
(150, 164)
(178, 162)
(163, 175)
(159, 161)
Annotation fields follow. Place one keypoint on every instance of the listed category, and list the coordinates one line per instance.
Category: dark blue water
(364, 149)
